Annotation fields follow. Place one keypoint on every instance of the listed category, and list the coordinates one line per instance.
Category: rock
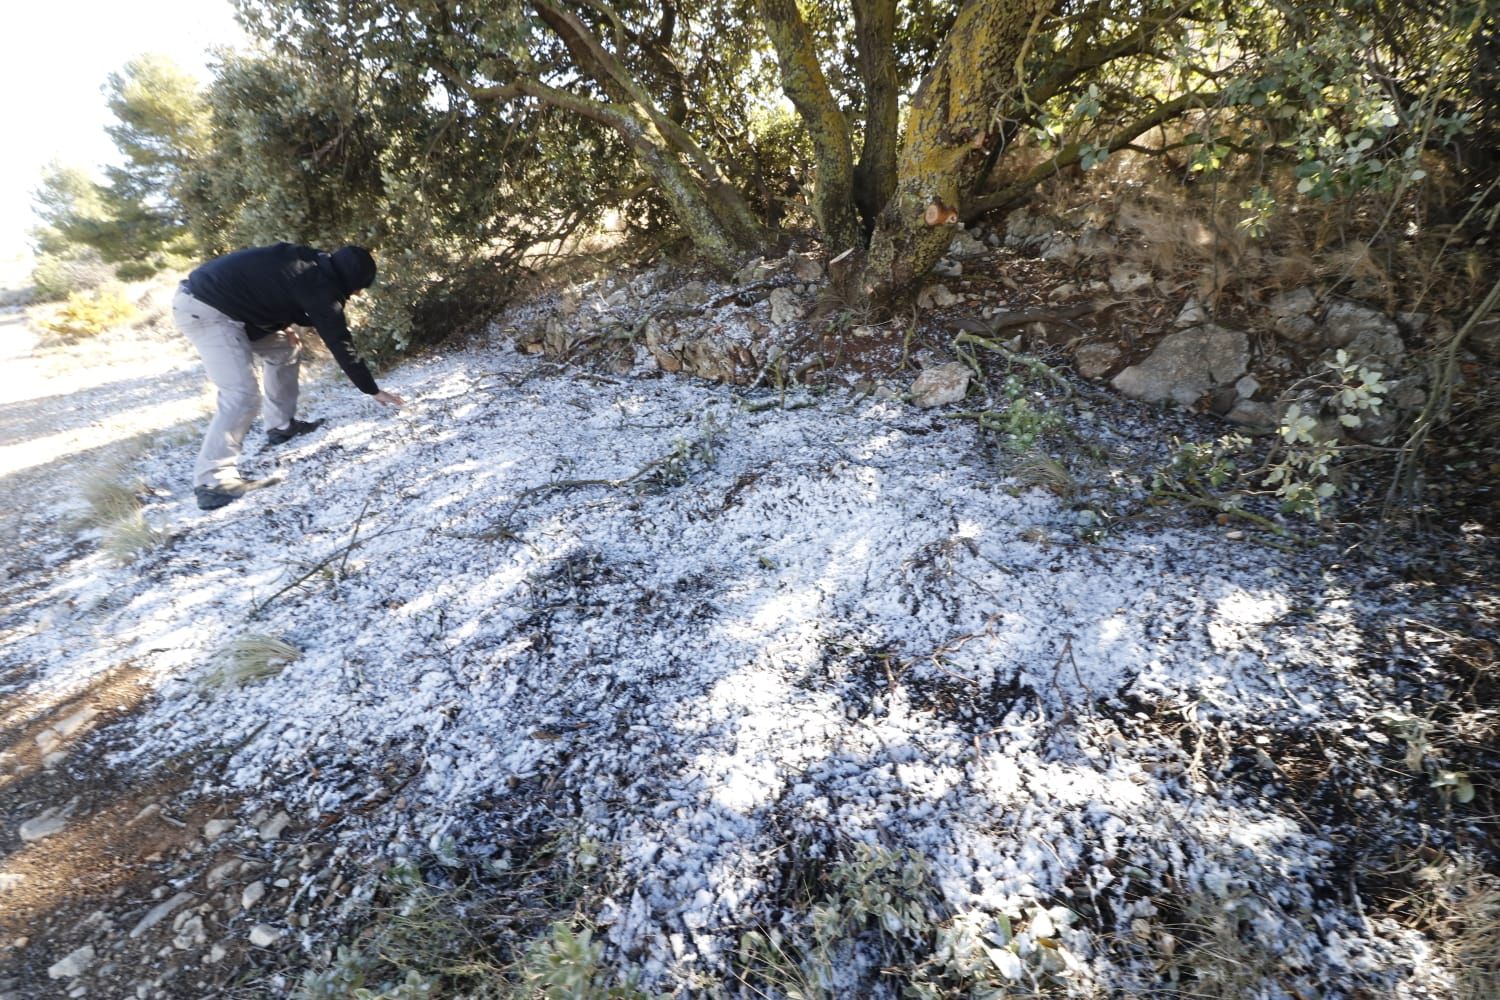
(691, 294)
(965, 246)
(784, 307)
(1343, 321)
(1059, 247)
(44, 825)
(1291, 314)
(708, 358)
(9, 881)
(159, 912)
(936, 296)
(948, 268)
(758, 269)
(1020, 226)
(1247, 387)
(73, 965)
(805, 266)
(253, 894)
(219, 873)
(263, 935)
(216, 828)
(1191, 314)
(1128, 277)
(1222, 399)
(1186, 365)
(1379, 348)
(940, 385)
(216, 954)
(1095, 358)
(190, 932)
(272, 828)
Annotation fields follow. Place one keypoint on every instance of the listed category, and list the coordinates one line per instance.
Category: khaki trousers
(229, 356)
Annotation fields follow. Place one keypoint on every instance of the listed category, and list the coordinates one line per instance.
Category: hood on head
(355, 268)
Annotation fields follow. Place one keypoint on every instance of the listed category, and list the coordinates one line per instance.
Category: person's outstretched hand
(389, 398)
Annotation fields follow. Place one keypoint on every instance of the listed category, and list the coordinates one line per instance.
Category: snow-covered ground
(770, 637)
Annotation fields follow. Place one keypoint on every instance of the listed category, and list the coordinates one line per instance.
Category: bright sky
(54, 58)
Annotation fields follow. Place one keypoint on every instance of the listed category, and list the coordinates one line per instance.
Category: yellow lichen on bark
(944, 149)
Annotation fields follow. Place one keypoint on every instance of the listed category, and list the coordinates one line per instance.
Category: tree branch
(1073, 153)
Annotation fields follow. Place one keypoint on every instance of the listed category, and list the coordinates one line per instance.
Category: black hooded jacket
(271, 288)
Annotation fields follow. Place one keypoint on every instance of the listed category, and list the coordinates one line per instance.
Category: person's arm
(327, 318)
(326, 311)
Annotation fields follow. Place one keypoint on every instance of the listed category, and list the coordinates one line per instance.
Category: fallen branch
(1021, 317)
(341, 554)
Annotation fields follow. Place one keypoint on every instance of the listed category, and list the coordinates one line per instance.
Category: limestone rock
(965, 246)
(1059, 247)
(253, 894)
(216, 828)
(271, 829)
(691, 294)
(758, 269)
(936, 297)
(73, 965)
(784, 307)
(940, 385)
(1382, 348)
(1192, 314)
(263, 935)
(217, 874)
(1095, 358)
(160, 912)
(44, 825)
(1344, 321)
(805, 266)
(189, 931)
(1291, 314)
(1127, 277)
(1186, 365)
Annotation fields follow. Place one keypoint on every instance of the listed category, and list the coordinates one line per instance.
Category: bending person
(236, 309)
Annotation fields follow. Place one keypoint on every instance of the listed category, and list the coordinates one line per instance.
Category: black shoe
(214, 497)
(291, 430)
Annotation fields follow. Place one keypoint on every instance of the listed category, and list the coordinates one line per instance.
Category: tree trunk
(803, 82)
(948, 133)
(875, 176)
(708, 206)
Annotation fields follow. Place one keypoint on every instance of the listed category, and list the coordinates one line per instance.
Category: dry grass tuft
(1045, 473)
(113, 508)
(248, 659)
(1462, 915)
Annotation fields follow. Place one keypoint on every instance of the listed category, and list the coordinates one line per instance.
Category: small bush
(57, 276)
(88, 314)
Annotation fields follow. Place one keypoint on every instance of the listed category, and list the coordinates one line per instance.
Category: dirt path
(69, 411)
